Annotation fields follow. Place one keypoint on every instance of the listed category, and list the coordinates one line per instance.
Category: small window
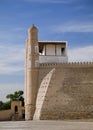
(16, 109)
(62, 50)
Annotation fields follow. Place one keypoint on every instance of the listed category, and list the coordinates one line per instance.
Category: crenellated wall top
(68, 64)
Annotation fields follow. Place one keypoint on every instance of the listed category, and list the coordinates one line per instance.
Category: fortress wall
(45, 68)
(5, 115)
(43, 71)
(69, 93)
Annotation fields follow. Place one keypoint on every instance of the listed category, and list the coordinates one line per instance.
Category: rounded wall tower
(31, 74)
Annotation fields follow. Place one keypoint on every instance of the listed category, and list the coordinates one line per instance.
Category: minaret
(31, 74)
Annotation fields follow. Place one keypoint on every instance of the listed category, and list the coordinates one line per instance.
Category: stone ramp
(42, 94)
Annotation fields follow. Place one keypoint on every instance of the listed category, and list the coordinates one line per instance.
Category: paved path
(46, 125)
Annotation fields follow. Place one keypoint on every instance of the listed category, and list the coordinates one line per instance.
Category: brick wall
(67, 93)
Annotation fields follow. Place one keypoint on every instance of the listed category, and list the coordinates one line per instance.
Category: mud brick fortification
(55, 88)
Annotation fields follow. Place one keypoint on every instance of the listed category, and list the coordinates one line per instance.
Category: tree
(16, 96)
(1, 103)
(5, 105)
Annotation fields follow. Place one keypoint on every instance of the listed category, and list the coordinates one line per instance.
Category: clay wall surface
(66, 91)
(5, 115)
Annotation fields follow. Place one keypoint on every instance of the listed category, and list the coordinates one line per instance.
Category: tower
(31, 72)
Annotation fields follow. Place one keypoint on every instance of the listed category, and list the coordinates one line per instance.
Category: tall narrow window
(16, 109)
(62, 51)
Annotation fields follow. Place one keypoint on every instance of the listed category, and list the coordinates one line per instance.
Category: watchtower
(31, 73)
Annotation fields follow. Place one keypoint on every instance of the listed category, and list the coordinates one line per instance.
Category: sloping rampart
(42, 94)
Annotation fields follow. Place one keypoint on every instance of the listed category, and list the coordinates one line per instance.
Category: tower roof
(32, 28)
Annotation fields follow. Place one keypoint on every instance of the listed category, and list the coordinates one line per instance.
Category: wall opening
(62, 51)
(16, 109)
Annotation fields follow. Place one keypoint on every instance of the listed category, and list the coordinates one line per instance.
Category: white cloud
(9, 33)
(11, 59)
(19, 29)
(9, 88)
(73, 27)
(51, 1)
(81, 54)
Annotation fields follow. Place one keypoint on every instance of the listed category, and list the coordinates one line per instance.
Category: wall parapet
(67, 64)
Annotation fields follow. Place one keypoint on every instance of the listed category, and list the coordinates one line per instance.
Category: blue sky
(67, 20)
